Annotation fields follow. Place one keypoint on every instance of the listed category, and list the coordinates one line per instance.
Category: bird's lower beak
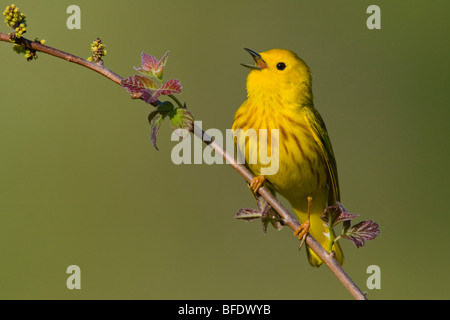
(260, 63)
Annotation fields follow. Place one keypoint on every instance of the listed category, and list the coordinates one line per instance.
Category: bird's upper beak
(260, 63)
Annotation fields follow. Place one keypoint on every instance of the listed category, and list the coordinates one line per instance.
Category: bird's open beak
(260, 63)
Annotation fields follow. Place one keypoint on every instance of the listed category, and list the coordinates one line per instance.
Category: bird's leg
(257, 183)
(302, 231)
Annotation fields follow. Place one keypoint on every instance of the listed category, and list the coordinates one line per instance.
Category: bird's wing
(320, 134)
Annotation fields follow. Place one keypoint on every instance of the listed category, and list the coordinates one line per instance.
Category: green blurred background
(81, 184)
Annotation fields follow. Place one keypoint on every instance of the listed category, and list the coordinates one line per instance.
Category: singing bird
(279, 96)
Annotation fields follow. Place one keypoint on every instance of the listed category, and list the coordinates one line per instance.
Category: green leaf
(166, 107)
(155, 118)
(152, 115)
(182, 121)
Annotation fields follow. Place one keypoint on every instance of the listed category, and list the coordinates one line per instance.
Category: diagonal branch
(288, 218)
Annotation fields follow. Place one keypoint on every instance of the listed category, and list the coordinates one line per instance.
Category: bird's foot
(256, 183)
(302, 231)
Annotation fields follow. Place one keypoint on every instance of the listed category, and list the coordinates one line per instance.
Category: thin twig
(288, 218)
(35, 45)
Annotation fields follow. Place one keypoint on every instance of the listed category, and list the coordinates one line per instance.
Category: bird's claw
(256, 183)
(301, 232)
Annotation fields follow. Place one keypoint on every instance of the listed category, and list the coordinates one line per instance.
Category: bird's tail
(317, 230)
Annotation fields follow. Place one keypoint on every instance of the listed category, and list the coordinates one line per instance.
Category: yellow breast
(301, 169)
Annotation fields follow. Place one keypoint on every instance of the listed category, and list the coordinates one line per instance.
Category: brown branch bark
(288, 218)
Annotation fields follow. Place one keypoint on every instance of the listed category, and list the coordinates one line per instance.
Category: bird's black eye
(281, 66)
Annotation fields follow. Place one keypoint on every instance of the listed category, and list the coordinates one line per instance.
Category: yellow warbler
(279, 96)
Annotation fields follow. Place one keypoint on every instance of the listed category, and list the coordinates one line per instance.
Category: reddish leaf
(161, 64)
(148, 62)
(150, 96)
(138, 83)
(248, 214)
(151, 65)
(336, 214)
(361, 232)
(145, 86)
(147, 83)
(141, 86)
(264, 212)
(131, 84)
(171, 87)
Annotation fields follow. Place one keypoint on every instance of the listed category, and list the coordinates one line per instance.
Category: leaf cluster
(150, 86)
(358, 233)
(332, 216)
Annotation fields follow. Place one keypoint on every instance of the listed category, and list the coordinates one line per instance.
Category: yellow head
(279, 73)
